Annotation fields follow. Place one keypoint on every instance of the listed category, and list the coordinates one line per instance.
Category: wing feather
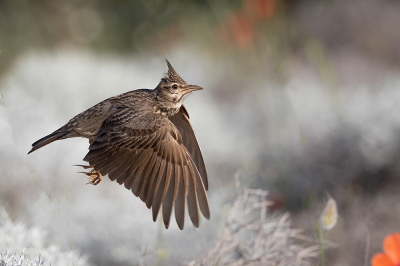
(112, 163)
(192, 198)
(145, 181)
(122, 169)
(180, 200)
(139, 173)
(156, 184)
(181, 121)
(150, 185)
(169, 191)
(158, 192)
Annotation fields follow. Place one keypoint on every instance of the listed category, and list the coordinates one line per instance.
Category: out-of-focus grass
(25, 246)
(251, 237)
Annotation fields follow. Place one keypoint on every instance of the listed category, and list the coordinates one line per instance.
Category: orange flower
(391, 247)
(264, 9)
(239, 31)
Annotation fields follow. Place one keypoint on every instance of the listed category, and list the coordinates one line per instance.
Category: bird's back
(87, 123)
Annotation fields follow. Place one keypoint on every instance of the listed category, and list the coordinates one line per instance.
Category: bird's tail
(56, 135)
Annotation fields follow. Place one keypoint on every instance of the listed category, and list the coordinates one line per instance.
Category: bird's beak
(191, 88)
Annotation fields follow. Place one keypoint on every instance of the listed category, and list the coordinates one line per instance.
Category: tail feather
(48, 139)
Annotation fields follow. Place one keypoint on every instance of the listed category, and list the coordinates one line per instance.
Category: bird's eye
(175, 86)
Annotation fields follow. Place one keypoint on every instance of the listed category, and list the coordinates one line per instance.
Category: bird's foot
(94, 176)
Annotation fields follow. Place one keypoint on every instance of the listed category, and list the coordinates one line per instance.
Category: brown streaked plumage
(144, 140)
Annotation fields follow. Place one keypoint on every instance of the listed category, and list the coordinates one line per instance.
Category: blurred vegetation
(269, 30)
(155, 26)
(16, 235)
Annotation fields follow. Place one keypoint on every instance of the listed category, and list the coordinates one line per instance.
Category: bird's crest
(172, 76)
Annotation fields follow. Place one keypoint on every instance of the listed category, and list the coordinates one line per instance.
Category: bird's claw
(84, 166)
(94, 176)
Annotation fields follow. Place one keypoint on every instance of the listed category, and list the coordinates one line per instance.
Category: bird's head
(172, 89)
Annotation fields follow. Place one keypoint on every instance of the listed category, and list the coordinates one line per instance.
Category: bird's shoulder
(134, 98)
(135, 110)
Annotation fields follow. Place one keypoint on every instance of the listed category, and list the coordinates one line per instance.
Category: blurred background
(301, 97)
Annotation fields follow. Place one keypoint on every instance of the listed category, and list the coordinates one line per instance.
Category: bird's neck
(168, 108)
(166, 104)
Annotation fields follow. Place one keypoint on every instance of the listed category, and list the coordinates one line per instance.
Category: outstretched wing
(145, 152)
(181, 121)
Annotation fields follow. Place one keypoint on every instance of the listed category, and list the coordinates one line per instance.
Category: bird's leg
(94, 176)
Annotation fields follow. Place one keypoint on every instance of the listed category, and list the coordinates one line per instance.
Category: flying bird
(144, 140)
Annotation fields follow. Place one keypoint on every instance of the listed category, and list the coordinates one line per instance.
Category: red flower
(391, 247)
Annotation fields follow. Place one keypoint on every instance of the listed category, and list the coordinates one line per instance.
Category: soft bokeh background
(300, 98)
